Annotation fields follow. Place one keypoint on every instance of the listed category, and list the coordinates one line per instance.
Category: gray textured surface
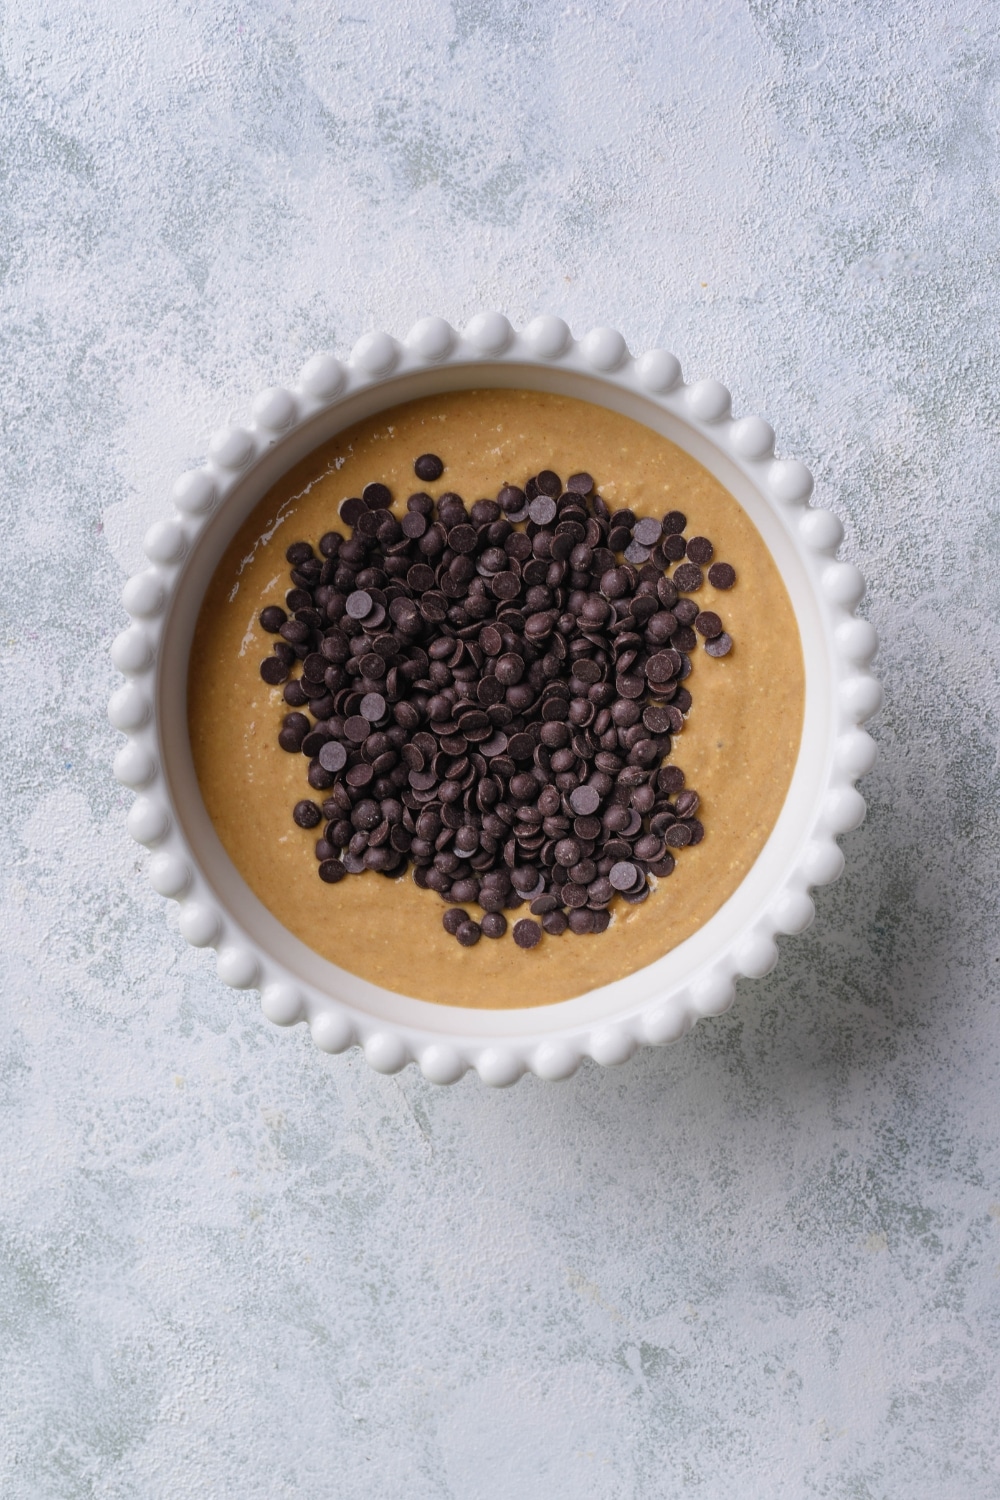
(764, 1262)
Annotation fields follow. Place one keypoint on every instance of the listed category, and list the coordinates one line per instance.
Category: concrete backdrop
(762, 1263)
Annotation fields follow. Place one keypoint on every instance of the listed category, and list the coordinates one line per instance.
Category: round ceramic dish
(218, 910)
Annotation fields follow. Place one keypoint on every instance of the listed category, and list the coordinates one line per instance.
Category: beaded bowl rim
(445, 1041)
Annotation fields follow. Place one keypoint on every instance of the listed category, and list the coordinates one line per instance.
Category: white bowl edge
(662, 1001)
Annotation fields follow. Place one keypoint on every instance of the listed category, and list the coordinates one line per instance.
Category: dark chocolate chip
(624, 875)
(674, 522)
(527, 934)
(357, 728)
(428, 467)
(721, 575)
(333, 756)
(494, 924)
(582, 920)
(688, 578)
(677, 836)
(454, 916)
(414, 524)
(720, 646)
(332, 870)
(272, 618)
(359, 604)
(542, 510)
(585, 800)
(377, 496)
(352, 509)
(700, 550)
(511, 499)
(468, 934)
(273, 670)
(372, 707)
(306, 814)
(646, 531)
(657, 720)
(708, 624)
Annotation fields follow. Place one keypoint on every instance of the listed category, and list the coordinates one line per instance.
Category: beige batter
(738, 748)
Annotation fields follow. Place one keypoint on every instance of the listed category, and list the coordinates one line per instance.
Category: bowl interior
(282, 950)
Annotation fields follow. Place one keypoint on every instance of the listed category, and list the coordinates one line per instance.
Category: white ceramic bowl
(188, 862)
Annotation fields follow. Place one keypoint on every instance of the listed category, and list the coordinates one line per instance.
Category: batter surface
(738, 748)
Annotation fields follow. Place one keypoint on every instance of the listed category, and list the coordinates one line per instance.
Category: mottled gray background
(762, 1263)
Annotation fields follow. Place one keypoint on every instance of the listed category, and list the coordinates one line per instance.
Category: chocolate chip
(414, 524)
(623, 875)
(272, 618)
(674, 522)
(721, 575)
(511, 499)
(357, 728)
(454, 916)
(377, 496)
(548, 482)
(585, 800)
(273, 670)
(720, 646)
(646, 531)
(700, 550)
(359, 604)
(670, 780)
(510, 669)
(468, 934)
(494, 924)
(582, 920)
(306, 814)
(463, 538)
(657, 720)
(708, 624)
(428, 467)
(332, 870)
(372, 707)
(688, 577)
(542, 510)
(527, 934)
(677, 836)
(333, 756)
(352, 509)
(580, 484)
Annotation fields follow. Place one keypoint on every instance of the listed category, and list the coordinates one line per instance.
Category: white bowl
(218, 910)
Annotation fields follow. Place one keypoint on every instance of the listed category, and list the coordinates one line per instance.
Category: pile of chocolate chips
(495, 704)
